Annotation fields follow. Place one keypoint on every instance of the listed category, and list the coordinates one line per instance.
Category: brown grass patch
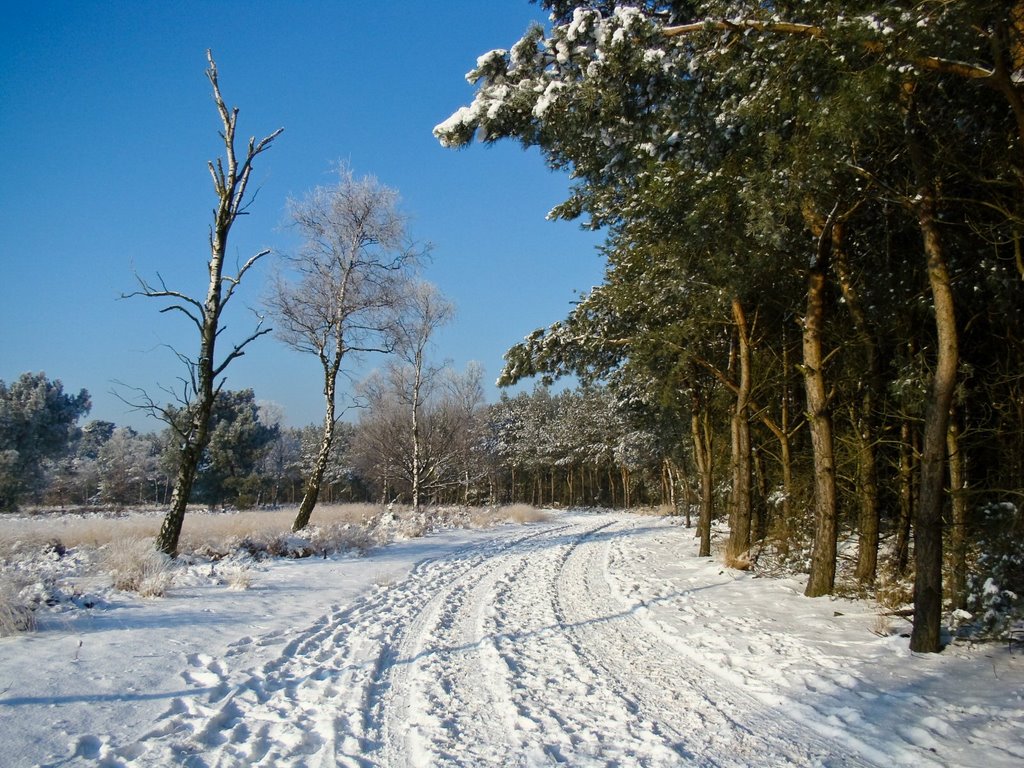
(201, 531)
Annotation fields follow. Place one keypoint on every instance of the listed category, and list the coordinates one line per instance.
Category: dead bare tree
(191, 422)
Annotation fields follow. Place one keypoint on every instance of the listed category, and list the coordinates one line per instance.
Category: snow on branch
(930, 63)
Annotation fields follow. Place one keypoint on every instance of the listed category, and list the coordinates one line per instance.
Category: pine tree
(813, 161)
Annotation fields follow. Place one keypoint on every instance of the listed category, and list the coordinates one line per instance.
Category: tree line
(573, 448)
(813, 215)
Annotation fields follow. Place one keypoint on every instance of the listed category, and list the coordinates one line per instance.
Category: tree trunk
(700, 431)
(925, 635)
(823, 559)
(907, 498)
(416, 433)
(864, 421)
(323, 457)
(667, 494)
(784, 435)
(958, 491)
(759, 515)
(195, 438)
(868, 536)
(928, 522)
(170, 528)
(741, 512)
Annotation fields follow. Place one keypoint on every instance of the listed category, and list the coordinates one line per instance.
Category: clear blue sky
(106, 125)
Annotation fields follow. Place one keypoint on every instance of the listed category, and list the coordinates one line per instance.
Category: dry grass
(523, 513)
(125, 542)
(739, 561)
(883, 625)
(122, 545)
(15, 615)
(200, 530)
(892, 595)
(92, 532)
(135, 566)
(485, 517)
(239, 577)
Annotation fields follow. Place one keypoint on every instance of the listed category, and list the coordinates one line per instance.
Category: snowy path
(595, 640)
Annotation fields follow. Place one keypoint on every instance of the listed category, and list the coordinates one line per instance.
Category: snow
(588, 640)
(461, 116)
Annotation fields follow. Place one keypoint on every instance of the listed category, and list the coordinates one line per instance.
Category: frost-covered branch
(933, 63)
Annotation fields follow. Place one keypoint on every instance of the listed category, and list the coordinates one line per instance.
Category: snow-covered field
(588, 640)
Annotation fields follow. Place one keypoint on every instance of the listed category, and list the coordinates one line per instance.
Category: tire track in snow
(567, 710)
(520, 650)
(318, 701)
(438, 705)
(708, 721)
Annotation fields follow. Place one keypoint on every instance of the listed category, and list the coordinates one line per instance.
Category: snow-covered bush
(996, 586)
(315, 540)
(135, 565)
(293, 545)
(393, 523)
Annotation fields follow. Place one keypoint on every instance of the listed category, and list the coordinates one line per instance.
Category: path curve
(524, 648)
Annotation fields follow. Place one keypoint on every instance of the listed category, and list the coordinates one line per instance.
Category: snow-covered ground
(588, 640)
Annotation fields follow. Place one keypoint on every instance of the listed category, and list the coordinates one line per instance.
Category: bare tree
(449, 427)
(230, 179)
(356, 254)
(462, 409)
(381, 438)
(425, 310)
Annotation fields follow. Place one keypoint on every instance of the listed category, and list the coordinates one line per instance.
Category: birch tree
(205, 370)
(348, 281)
(424, 311)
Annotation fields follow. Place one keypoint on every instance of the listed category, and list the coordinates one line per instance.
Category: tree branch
(931, 63)
(234, 281)
(239, 349)
(148, 291)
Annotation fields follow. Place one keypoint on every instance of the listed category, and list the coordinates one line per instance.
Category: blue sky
(106, 125)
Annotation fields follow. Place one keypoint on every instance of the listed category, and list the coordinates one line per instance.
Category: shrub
(135, 565)
(995, 588)
(239, 577)
(341, 537)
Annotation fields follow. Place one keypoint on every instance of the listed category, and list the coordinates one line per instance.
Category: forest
(813, 263)
(811, 323)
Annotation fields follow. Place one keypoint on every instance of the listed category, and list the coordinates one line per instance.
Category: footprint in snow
(88, 747)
